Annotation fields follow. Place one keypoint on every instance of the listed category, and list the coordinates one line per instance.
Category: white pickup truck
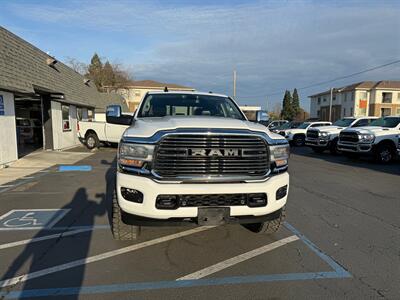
(192, 157)
(92, 133)
(380, 139)
(326, 137)
(297, 136)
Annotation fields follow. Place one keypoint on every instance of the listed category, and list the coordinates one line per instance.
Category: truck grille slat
(245, 156)
(351, 137)
(312, 134)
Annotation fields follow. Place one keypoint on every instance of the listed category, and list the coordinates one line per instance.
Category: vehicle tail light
(77, 126)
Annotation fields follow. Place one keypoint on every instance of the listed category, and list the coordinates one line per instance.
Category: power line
(332, 80)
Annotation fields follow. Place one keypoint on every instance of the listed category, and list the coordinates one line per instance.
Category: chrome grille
(174, 157)
(351, 137)
(313, 134)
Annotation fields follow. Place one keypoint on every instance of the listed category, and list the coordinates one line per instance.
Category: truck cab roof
(158, 92)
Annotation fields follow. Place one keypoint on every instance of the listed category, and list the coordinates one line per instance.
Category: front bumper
(355, 147)
(151, 189)
(317, 142)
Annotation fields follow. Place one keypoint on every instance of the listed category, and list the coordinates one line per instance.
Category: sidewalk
(40, 160)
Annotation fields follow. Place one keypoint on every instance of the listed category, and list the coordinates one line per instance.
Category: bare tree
(77, 65)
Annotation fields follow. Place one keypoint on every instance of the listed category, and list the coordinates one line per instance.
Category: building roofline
(363, 85)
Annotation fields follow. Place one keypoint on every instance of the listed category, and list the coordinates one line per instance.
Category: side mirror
(262, 116)
(113, 111)
(114, 116)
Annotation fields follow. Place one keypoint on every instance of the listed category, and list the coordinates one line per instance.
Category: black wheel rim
(90, 142)
(299, 141)
(385, 155)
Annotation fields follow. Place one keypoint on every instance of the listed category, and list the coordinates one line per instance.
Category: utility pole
(330, 106)
(266, 104)
(234, 83)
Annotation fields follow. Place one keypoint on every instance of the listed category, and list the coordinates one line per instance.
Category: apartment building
(366, 98)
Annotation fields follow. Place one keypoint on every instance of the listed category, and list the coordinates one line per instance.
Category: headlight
(323, 134)
(134, 154)
(366, 138)
(279, 154)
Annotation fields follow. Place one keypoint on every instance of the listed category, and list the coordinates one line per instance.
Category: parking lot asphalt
(341, 240)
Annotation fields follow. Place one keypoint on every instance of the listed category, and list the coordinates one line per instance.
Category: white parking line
(238, 259)
(91, 259)
(5, 186)
(43, 238)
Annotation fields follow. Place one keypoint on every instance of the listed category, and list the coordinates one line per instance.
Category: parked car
(297, 136)
(380, 139)
(326, 137)
(168, 166)
(288, 125)
(274, 124)
(92, 133)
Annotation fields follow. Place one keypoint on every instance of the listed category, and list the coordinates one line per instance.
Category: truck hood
(329, 129)
(295, 130)
(147, 127)
(369, 130)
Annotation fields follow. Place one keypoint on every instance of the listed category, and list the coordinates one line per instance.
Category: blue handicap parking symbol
(31, 218)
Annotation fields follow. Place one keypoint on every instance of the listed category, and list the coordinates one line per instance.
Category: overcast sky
(273, 45)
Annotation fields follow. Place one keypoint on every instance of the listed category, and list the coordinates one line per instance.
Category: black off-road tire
(318, 149)
(120, 230)
(92, 141)
(333, 149)
(270, 226)
(384, 154)
(299, 140)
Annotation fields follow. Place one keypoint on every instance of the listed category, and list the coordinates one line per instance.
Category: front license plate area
(212, 216)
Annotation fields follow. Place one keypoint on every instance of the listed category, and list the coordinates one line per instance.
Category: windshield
(386, 122)
(344, 122)
(289, 125)
(161, 105)
(304, 125)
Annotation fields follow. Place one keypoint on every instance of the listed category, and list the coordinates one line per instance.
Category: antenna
(234, 83)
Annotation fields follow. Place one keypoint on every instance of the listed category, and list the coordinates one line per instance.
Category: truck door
(114, 132)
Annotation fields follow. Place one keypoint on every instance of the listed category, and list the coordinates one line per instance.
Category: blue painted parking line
(140, 286)
(339, 272)
(58, 228)
(84, 168)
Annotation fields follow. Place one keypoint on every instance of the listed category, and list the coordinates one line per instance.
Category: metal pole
(330, 106)
(43, 129)
(234, 83)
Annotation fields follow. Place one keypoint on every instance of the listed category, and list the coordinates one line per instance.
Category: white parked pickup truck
(380, 139)
(94, 133)
(192, 157)
(326, 137)
(297, 136)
